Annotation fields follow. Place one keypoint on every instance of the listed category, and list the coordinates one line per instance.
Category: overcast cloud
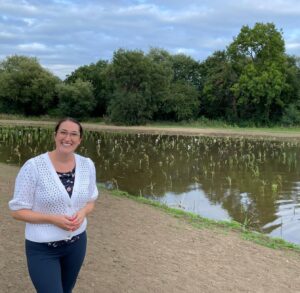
(64, 34)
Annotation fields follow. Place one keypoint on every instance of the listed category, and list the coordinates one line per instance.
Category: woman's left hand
(78, 219)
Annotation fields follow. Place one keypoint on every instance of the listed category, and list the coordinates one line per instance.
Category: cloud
(32, 47)
(6, 35)
(186, 51)
(61, 69)
(293, 46)
(66, 34)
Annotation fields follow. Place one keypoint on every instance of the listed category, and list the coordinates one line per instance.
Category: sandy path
(136, 248)
(166, 130)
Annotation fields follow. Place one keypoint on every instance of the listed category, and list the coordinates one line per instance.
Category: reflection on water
(251, 181)
(195, 200)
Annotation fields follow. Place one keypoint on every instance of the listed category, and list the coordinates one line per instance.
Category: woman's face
(67, 138)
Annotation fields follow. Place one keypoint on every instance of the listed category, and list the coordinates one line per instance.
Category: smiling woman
(67, 137)
(54, 192)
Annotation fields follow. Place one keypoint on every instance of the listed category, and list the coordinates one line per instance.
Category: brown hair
(72, 120)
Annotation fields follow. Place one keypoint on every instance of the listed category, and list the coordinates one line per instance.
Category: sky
(64, 35)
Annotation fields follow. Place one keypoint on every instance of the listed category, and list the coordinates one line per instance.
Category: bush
(76, 99)
(26, 88)
(291, 115)
(129, 108)
(182, 103)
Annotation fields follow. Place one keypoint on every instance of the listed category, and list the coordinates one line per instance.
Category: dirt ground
(133, 247)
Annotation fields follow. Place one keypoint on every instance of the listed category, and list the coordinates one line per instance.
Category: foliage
(218, 76)
(291, 115)
(257, 90)
(25, 87)
(130, 74)
(186, 69)
(160, 82)
(175, 82)
(259, 59)
(291, 111)
(141, 82)
(128, 108)
(76, 99)
(252, 82)
(182, 103)
(97, 75)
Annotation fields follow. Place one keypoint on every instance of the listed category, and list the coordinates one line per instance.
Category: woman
(54, 192)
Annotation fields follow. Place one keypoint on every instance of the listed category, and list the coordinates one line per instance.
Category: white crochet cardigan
(39, 188)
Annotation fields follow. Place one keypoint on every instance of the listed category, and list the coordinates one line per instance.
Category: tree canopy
(258, 56)
(25, 87)
(252, 80)
(75, 99)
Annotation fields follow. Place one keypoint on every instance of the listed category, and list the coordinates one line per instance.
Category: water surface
(255, 182)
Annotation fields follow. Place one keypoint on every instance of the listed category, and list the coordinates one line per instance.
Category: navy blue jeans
(54, 269)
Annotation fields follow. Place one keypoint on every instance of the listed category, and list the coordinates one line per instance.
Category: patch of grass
(271, 242)
(209, 123)
(46, 118)
(200, 223)
(27, 118)
(94, 120)
(200, 123)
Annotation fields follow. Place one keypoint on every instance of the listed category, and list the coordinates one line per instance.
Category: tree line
(252, 81)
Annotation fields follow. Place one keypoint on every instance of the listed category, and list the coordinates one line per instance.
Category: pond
(255, 182)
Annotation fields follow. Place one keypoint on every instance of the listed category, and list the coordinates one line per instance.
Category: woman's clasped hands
(69, 223)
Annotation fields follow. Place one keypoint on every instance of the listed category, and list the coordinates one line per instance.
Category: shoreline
(176, 130)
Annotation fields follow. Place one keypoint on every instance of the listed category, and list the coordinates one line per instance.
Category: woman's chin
(65, 150)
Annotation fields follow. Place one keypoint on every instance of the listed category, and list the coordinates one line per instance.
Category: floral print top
(67, 179)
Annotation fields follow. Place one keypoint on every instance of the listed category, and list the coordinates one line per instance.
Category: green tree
(258, 58)
(175, 83)
(25, 86)
(217, 78)
(162, 76)
(291, 111)
(186, 69)
(128, 108)
(258, 91)
(97, 75)
(182, 103)
(76, 99)
(133, 81)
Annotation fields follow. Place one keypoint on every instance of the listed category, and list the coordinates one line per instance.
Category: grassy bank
(224, 226)
(200, 123)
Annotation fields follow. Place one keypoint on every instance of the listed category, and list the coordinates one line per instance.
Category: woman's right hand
(64, 222)
(61, 221)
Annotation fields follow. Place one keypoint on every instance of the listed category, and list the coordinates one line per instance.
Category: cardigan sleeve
(25, 186)
(93, 190)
